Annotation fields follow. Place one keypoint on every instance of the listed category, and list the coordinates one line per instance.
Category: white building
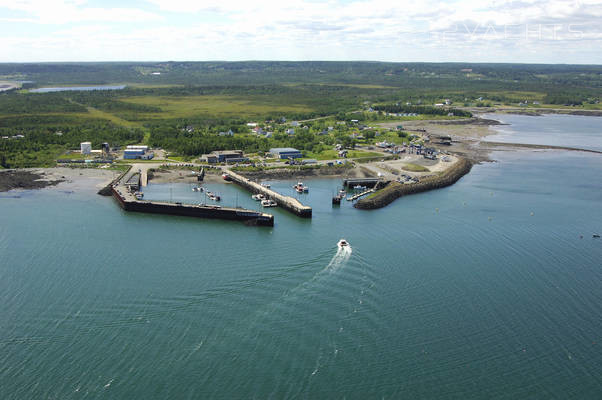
(86, 147)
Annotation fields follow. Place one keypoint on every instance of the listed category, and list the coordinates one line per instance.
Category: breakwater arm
(395, 190)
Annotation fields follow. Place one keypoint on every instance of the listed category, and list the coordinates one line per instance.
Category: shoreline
(40, 178)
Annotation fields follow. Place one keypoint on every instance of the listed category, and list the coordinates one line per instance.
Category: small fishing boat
(596, 236)
(359, 187)
(139, 195)
(258, 197)
(266, 185)
(301, 188)
(336, 200)
(226, 177)
(343, 243)
(268, 203)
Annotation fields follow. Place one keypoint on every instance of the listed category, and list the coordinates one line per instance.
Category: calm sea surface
(577, 131)
(483, 290)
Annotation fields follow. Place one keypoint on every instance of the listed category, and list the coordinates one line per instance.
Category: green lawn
(415, 168)
(333, 154)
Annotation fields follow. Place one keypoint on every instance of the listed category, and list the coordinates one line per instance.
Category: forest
(161, 99)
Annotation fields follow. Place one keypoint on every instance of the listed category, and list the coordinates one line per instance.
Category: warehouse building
(226, 156)
(285, 153)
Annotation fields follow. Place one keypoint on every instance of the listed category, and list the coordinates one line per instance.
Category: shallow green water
(481, 290)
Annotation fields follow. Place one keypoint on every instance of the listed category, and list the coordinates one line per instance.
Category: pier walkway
(288, 203)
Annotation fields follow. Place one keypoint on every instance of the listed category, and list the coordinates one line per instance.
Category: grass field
(219, 106)
(414, 168)
(333, 154)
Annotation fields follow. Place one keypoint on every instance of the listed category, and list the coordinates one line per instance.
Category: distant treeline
(428, 110)
(402, 75)
(18, 103)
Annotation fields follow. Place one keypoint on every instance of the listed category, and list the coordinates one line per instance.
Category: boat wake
(339, 259)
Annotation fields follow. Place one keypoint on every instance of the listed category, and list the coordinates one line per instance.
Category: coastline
(40, 178)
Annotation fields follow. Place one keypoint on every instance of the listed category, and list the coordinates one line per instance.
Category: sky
(527, 31)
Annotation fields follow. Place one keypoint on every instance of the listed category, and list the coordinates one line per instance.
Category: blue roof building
(285, 153)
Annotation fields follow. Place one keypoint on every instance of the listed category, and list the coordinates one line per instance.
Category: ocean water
(582, 132)
(490, 288)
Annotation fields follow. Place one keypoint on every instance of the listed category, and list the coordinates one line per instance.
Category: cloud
(307, 29)
(68, 11)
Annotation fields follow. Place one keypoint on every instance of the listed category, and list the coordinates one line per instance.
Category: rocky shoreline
(25, 180)
(288, 173)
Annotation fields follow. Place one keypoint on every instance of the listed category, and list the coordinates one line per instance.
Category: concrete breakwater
(128, 202)
(395, 190)
(288, 203)
(108, 190)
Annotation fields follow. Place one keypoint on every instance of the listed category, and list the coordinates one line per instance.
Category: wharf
(128, 201)
(288, 203)
(361, 181)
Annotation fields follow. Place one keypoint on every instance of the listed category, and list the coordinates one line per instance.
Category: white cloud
(67, 11)
(306, 29)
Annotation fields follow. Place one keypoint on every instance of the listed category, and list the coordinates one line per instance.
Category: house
(229, 133)
(284, 153)
(294, 123)
(290, 131)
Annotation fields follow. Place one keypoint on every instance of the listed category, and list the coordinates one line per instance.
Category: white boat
(359, 187)
(258, 197)
(266, 185)
(268, 203)
(343, 243)
(300, 188)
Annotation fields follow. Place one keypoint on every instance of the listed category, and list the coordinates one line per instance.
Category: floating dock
(288, 203)
(128, 201)
(358, 195)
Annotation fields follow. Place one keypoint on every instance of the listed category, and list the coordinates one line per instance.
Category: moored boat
(268, 203)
